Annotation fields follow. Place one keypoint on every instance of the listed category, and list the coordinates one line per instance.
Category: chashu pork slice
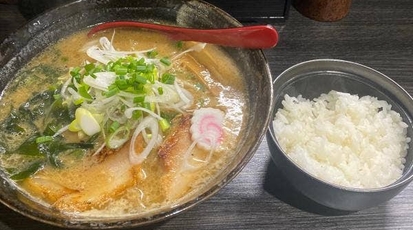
(86, 186)
(177, 179)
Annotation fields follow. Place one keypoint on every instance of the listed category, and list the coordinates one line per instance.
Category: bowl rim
(402, 181)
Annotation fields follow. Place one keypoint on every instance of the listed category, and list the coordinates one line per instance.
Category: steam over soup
(124, 122)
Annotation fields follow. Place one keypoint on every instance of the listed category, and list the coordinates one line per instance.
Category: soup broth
(57, 160)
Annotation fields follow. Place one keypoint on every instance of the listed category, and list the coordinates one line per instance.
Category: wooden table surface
(376, 33)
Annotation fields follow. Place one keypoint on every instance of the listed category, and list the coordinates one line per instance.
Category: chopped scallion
(166, 61)
(139, 99)
(89, 67)
(160, 90)
(114, 126)
(75, 71)
(112, 92)
(122, 84)
(78, 101)
(121, 70)
(140, 79)
(165, 125)
(57, 96)
(152, 54)
(179, 44)
(140, 68)
(83, 92)
(168, 78)
(44, 139)
(137, 114)
(118, 137)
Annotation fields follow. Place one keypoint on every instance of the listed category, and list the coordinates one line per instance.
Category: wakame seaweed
(41, 115)
(28, 171)
(11, 124)
(37, 105)
(22, 121)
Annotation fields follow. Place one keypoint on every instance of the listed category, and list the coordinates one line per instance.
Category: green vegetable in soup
(39, 146)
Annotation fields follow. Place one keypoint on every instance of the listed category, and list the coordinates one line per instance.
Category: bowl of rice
(341, 133)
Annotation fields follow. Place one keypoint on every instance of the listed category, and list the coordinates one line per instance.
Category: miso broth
(84, 150)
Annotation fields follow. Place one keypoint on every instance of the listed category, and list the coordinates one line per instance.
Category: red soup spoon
(250, 37)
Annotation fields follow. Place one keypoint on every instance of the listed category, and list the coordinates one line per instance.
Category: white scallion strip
(102, 81)
(198, 47)
(102, 56)
(64, 88)
(74, 93)
(107, 52)
(169, 95)
(185, 96)
(147, 123)
(106, 44)
(60, 131)
(127, 103)
(99, 149)
(75, 83)
(129, 95)
(118, 138)
(128, 112)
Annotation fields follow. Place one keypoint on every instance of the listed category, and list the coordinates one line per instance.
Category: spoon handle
(250, 37)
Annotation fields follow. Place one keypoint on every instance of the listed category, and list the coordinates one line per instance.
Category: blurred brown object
(323, 10)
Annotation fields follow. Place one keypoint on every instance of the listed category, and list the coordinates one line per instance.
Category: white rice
(343, 139)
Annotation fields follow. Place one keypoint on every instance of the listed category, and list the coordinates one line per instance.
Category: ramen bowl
(313, 78)
(20, 47)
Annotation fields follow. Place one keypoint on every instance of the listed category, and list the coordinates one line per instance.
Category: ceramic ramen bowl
(20, 47)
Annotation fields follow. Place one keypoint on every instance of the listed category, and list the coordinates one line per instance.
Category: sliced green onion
(152, 54)
(140, 79)
(121, 70)
(114, 126)
(109, 66)
(89, 67)
(140, 68)
(122, 84)
(150, 68)
(137, 114)
(166, 61)
(149, 106)
(93, 75)
(168, 78)
(57, 96)
(87, 122)
(78, 101)
(160, 90)
(82, 90)
(139, 99)
(98, 68)
(75, 71)
(179, 44)
(74, 126)
(118, 138)
(112, 92)
(165, 125)
(43, 139)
